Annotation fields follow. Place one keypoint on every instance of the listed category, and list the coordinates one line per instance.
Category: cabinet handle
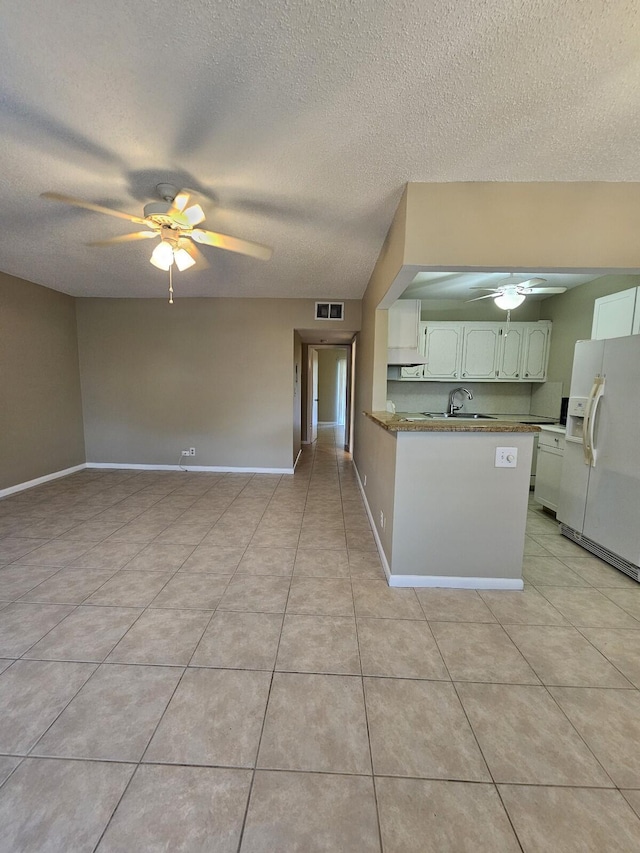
(464, 374)
(517, 375)
(526, 374)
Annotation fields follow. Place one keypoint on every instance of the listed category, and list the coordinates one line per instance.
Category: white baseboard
(217, 469)
(455, 582)
(432, 580)
(29, 484)
(297, 459)
(383, 556)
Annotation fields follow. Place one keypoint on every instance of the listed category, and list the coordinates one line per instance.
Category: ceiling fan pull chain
(171, 285)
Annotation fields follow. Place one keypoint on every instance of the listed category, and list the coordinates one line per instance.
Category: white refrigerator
(599, 502)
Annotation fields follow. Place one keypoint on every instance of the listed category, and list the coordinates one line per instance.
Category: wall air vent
(329, 310)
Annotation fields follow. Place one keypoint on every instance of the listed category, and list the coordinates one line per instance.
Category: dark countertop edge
(392, 423)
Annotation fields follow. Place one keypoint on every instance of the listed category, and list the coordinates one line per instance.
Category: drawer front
(552, 440)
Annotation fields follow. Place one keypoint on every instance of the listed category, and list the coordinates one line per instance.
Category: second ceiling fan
(511, 292)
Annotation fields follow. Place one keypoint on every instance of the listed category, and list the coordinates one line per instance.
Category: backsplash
(546, 399)
(488, 397)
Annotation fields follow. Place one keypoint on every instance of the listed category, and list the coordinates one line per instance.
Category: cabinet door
(536, 352)
(404, 317)
(443, 351)
(613, 315)
(479, 351)
(510, 352)
(548, 475)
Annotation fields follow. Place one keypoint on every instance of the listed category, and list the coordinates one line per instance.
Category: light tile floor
(214, 662)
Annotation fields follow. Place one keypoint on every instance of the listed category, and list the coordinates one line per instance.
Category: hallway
(214, 662)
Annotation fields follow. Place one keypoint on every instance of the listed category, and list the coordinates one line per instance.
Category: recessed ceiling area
(458, 285)
(297, 124)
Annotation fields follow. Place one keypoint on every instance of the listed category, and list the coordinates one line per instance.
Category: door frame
(350, 349)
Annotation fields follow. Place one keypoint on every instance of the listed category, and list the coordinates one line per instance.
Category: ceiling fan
(512, 292)
(174, 221)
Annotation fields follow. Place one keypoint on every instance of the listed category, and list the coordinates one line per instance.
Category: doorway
(329, 391)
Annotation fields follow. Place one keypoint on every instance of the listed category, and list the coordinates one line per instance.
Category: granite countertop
(554, 428)
(397, 423)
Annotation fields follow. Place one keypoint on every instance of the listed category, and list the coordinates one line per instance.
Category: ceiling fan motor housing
(158, 213)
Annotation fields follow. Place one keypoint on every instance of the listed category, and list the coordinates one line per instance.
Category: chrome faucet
(451, 406)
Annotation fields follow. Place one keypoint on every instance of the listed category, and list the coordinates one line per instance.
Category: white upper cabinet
(404, 317)
(480, 350)
(616, 315)
(510, 351)
(536, 351)
(443, 350)
(403, 335)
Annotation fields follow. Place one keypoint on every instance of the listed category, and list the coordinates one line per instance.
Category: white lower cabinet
(549, 467)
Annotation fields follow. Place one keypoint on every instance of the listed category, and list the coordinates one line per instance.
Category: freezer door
(572, 497)
(612, 516)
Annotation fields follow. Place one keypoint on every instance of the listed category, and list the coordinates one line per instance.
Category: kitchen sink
(466, 416)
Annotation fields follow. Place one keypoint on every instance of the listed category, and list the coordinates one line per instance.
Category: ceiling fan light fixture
(162, 255)
(509, 299)
(183, 259)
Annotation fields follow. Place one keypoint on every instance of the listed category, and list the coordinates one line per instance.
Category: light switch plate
(506, 457)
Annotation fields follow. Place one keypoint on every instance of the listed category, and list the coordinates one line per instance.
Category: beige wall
(572, 315)
(214, 374)
(371, 362)
(40, 408)
(523, 225)
(328, 408)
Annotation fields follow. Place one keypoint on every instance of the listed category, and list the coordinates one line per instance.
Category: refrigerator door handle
(586, 431)
(593, 411)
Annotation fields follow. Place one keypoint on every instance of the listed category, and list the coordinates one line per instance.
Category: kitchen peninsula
(448, 499)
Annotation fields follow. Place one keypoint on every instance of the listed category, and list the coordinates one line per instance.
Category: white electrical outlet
(506, 457)
(192, 451)
(381, 519)
(184, 453)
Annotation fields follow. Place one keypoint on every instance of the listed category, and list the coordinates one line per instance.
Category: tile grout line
(264, 718)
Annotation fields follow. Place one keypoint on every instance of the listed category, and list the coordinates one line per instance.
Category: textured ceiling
(300, 121)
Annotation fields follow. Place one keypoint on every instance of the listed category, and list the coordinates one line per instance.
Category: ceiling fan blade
(487, 296)
(179, 203)
(194, 215)
(492, 289)
(530, 282)
(546, 290)
(195, 253)
(125, 238)
(96, 208)
(232, 244)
